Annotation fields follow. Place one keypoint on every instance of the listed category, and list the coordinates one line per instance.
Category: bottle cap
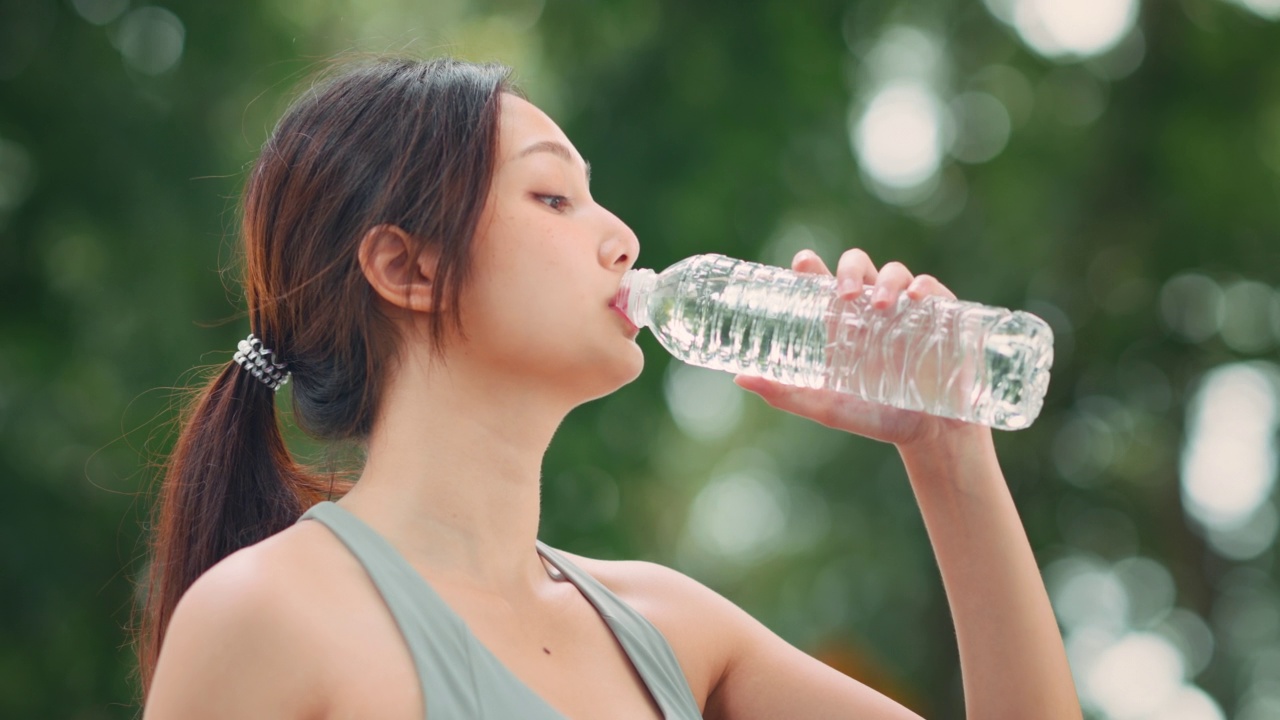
(632, 299)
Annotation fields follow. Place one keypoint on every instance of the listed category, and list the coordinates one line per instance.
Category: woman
(425, 261)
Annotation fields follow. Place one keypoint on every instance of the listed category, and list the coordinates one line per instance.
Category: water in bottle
(945, 357)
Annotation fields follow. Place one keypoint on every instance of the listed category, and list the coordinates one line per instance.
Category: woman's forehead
(523, 125)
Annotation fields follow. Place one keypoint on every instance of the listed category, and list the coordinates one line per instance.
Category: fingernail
(881, 296)
(847, 287)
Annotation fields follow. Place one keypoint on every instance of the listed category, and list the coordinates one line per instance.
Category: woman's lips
(631, 325)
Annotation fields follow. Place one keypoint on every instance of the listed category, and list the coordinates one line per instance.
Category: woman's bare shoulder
(735, 665)
(274, 581)
(650, 586)
(255, 621)
(700, 625)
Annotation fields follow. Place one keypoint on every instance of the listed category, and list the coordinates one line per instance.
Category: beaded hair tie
(251, 356)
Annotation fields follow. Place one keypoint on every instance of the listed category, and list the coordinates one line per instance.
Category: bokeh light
(1122, 60)
(1068, 29)
(899, 138)
(1229, 457)
(1249, 538)
(904, 52)
(1192, 635)
(1192, 306)
(1135, 676)
(1269, 9)
(1246, 326)
(982, 127)
(151, 39)
(740, 516)
(1188, 703)
(705, 404)
(1132, 652)
(1149, 588)
(1011, 87)
(100, 12)
(902, 130)
(794, 235)
(1087, 593)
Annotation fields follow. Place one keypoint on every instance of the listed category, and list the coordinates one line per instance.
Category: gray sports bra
(461, 679)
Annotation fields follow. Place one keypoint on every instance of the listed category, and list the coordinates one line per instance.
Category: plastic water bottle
(945, 357)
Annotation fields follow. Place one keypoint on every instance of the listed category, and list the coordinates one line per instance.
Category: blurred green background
(1110, 165)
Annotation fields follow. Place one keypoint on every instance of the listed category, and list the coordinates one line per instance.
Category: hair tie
(251, 356)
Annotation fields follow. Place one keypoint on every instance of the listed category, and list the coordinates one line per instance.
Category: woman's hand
(843, 411)
(1011, 654)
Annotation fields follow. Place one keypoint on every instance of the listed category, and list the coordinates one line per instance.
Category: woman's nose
(621, 246)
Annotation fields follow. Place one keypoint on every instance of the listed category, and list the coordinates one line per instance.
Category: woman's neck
(453, 475)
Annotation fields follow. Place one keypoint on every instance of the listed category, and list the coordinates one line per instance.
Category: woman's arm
(1011, 653)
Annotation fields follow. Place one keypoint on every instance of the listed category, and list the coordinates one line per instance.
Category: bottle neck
(633, 296)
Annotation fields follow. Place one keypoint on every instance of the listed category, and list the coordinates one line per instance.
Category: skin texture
(292, 628)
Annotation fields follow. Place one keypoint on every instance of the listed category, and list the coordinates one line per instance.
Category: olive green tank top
(461, 679)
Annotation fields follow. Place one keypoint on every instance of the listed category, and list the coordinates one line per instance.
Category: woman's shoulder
(700, 624)
(272, 580)
(649, 586)
(294, 623)
(256, 611)
(279, 589)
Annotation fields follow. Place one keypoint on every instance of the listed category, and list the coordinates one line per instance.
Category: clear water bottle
(945, 357)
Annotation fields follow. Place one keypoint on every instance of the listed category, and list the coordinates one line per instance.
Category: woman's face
(548, 263)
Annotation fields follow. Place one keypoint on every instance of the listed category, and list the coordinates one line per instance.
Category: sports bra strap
(459, 676)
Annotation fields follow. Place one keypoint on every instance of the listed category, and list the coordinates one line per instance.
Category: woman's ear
(387, 260)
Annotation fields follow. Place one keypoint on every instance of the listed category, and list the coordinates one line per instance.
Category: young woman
(425, 262)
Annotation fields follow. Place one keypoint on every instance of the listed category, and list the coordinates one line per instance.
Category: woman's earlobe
(399, 267)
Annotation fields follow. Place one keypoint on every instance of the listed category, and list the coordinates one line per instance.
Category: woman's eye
(555, 202)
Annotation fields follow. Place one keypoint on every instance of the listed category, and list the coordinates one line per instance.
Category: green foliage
(712, 126)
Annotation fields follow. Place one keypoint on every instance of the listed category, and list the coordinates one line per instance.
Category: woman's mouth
(623, 315)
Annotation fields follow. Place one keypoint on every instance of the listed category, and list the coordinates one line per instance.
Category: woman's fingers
(807, 261)
(855, 271)
(926, 285)
(893, 280)
(821, 406)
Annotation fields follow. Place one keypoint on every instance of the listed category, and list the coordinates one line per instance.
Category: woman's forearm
(1011, 653)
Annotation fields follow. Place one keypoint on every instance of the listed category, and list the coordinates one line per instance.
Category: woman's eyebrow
(557, 149)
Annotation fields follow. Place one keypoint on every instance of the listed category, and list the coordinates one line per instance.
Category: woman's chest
(565, 662)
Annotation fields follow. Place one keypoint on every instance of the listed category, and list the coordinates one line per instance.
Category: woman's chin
(623, 373)
(637, 366)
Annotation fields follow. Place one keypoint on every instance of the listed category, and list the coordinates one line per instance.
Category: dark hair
(392, 141)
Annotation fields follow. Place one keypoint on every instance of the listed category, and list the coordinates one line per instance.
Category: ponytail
(229, 483)
(395, 141)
